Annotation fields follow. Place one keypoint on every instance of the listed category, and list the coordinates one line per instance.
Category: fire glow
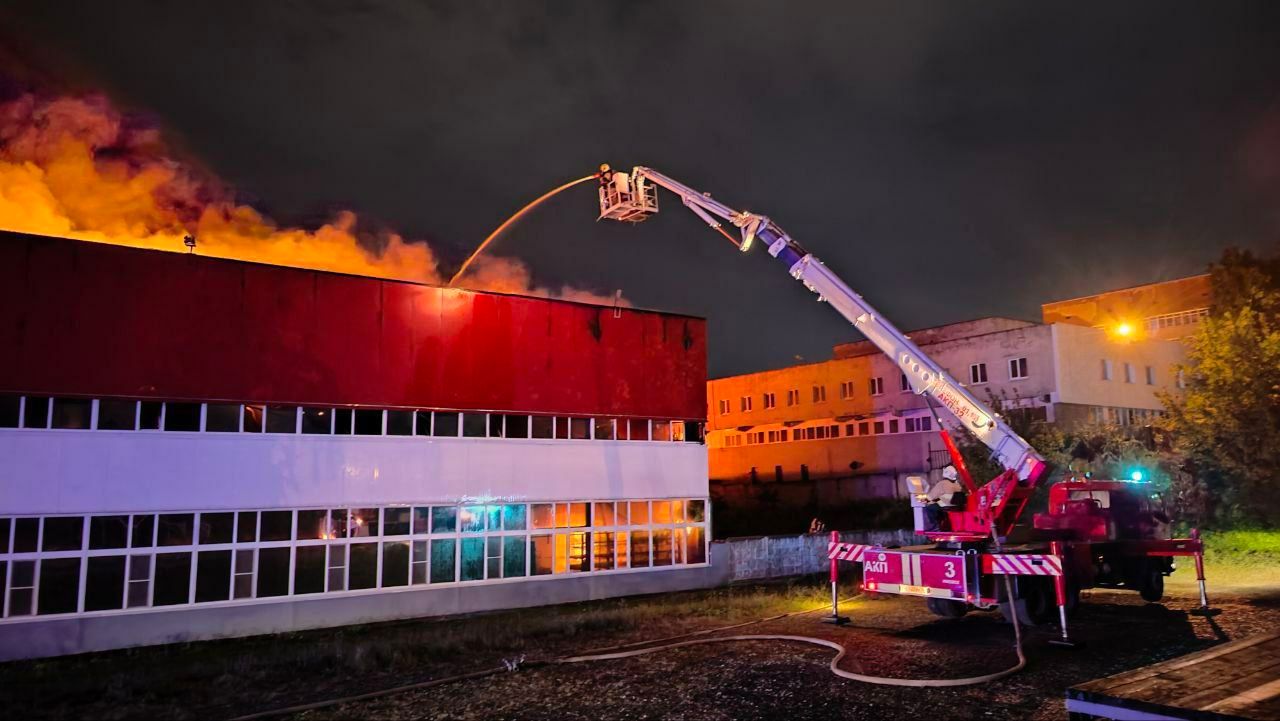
(77, 168)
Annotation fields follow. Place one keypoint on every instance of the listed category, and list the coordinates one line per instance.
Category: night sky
(951, 160)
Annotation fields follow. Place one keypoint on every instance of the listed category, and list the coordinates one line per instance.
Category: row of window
(459, 544)
(1172, 320)
(875, 387)
(1125, 416)
(133, 415)
(1130, 373)
(54, 534)
(828, 431)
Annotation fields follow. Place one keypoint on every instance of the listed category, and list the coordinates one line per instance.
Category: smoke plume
(73, 166)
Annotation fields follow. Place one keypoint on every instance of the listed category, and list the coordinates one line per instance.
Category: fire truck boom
(631, 198)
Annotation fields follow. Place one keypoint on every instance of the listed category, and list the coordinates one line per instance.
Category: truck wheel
(1034, 604)
(946, 608)
(1152, 588)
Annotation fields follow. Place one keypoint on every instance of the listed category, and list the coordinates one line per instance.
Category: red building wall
(80, 318)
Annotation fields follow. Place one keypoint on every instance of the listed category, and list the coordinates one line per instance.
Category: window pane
(395, 564)
(253, 418)
(364, 566)
(36, 414)
(695, 547)
(20, 588)
(149, 415)
(677, 511)
(495, 426)
(513, 551)
(104, 532)
(442, 564)
(63, 533)
(181, 417)
(72, 413)
(395, 521)
(474, 425)
(604, 429)
(580, 428)
(117, 415)
(493, 516)
(639, 513)
(244, 574)
(142, 532)
(213, 576)
(579, 515)
(639, 549)
(604, 514)
(662, 547)
(540, 426)
(277, 525)
(317, 420)
(419, 567)
(337, 567)
(516, 426)
(472, 559)
(314, 525)
(696, 511)
(59, 585)
(368, 422)
(216, 527)
(445, 424)
(308, 570)
(444, 519)
(677, 545)
(172, 579)
(542, 555)
(562, 428)
(421, 520)
(10, 409)
(603, 551)
(273, 571)
(218, 417)
(399, 423)
(544, 515)
(282, 419)
(104, 583)
(493, 557)
(639, 429)
(339, 522)
(622, 513)
(662, 511)
(579, 552)
(247, 527)
(364, 522)
(513, 517)
(175, 529)
(661, 431)
(472, 520)
(342, 421)
(422, 423)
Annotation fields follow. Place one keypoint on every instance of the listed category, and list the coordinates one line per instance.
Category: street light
(1124, 330)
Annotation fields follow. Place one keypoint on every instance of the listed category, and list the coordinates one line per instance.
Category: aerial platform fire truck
(1095, 533)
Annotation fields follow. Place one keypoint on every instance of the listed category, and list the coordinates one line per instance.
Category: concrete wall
(780, 556)
(1081, 351)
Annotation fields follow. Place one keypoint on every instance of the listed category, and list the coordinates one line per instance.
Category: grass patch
(1243, 560)
(197, 680)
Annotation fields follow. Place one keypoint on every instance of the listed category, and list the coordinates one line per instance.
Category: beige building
(853, 420)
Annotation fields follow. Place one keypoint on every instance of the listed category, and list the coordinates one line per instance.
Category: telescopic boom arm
(632, 198)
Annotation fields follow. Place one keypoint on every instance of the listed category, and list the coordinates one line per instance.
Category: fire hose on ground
(679, 641)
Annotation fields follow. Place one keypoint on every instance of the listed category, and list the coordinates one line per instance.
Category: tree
(1227, 419)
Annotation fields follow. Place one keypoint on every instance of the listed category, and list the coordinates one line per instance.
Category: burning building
(198, 447)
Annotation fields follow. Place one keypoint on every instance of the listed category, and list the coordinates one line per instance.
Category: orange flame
(75, 167)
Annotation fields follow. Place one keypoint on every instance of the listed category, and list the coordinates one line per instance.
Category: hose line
(615, 652)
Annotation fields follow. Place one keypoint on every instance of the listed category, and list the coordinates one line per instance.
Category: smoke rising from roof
(74, 166)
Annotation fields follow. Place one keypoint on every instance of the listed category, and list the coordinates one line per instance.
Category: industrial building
(822, 434)
(198, 448)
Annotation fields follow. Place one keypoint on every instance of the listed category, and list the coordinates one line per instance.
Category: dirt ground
(890, 636)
